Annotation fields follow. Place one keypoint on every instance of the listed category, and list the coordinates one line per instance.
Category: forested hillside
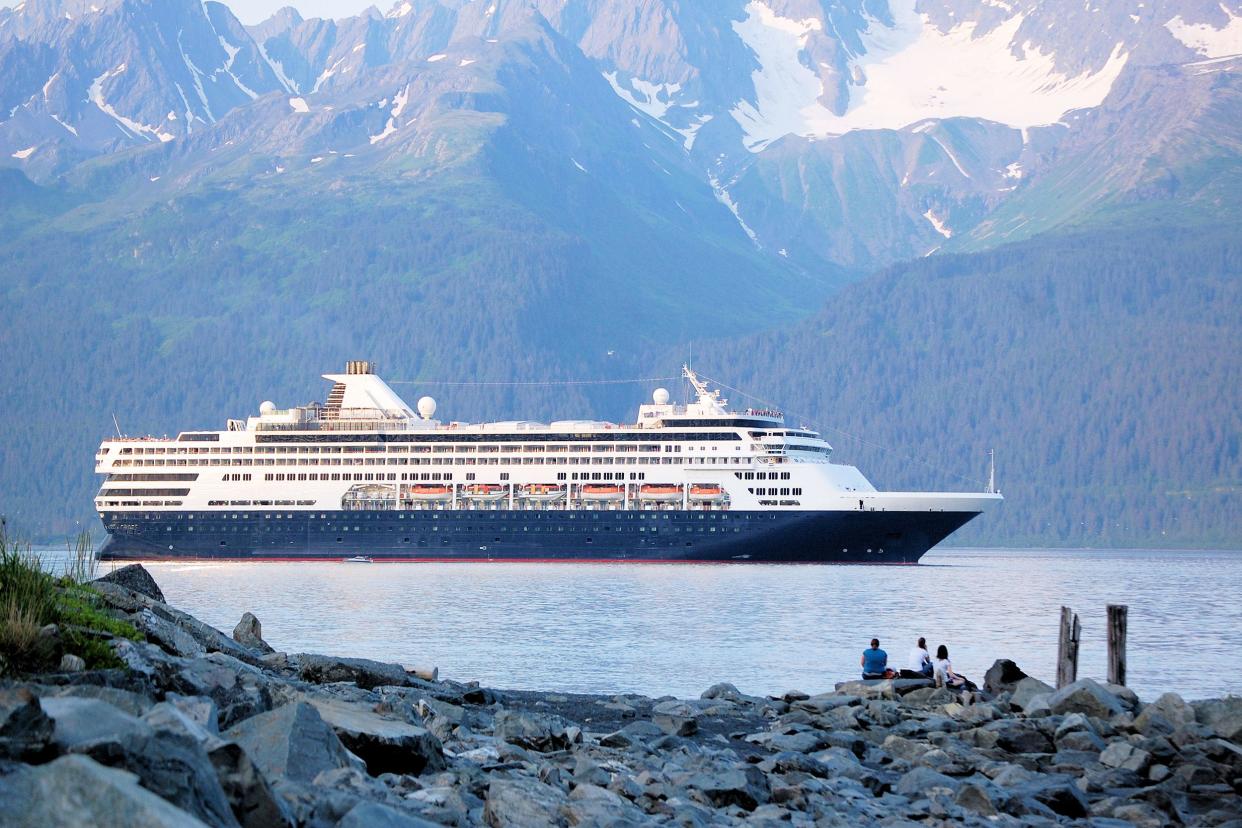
(1104, 369)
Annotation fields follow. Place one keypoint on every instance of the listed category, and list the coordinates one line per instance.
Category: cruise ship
(363, 476)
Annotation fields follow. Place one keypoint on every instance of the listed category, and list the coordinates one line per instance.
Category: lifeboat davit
(486, 491)
(660, 492)
(706, 493)
(603, 492)
(433, 493)
(541, 492)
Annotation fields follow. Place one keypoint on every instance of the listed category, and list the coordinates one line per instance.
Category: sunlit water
(676, 629)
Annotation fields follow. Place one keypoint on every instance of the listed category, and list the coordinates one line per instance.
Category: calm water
(677, 629)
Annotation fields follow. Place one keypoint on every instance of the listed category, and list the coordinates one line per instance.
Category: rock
(633, 734)
(171, 765)
(1019, 736)
(170, 637)
(75, 790)
(292, 741)
(745, 787)
(47, 648)
(868, 689)
(25, 729)
(1164, 715)
(918, 781)
(386, 745)
(363, 672)
(1080, 740)
(1140, 815)
(805, 741)
(207, 637)
(238, 690)
(1224, 716)
(82, 721)
(904, 686)
(1125, 756)
(928, 696)
(250, 796)
(1002, 677)
(976, 799)
(70, 663)
(521, 802)
(1060, 796)
(1027, 689)
(249, 633)
(375, 815)
(723, 690)
(593, 805)
(825, 702)
(1087, 697)
(675, 718)
(537, 731)
(136, 578)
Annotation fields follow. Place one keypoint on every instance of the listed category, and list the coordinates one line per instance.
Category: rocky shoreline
(206, 728)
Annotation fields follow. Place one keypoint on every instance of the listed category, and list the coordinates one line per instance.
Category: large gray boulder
(745, 787)
(376, 815)
(536, 731)
(291, 742)
(363, 672)
(1025, 691)
(918, 781)
(174, 766)
(521, 802)
(1166, 714)
(207, 637)
(80, 721)
(387, 745)
(249, 633)
(25, 729)
(1087, 697)
(1224, 716)
(249, 794)
(76, 790)
(238, 689)
(1002, 677)
(134, 577)
(594, 805)
(675, 717)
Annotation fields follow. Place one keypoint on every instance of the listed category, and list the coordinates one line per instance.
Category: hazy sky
(252, 11)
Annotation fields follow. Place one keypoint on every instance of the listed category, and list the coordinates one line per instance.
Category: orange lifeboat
(660, 492)
(541, 492)
(486, 491)
(435, 492)
(607, 492)
(706, 493)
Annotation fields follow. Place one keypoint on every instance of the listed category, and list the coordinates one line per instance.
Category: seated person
(874, 662)
(944, 672)
(920, 662)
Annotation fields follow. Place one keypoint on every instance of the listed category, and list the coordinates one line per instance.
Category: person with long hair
(944, 671)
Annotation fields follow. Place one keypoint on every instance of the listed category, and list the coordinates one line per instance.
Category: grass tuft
(31, 598)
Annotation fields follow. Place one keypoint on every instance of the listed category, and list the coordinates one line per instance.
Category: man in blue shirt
(874, 661)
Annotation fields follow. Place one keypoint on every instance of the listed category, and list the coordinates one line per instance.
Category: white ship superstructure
(366, 451)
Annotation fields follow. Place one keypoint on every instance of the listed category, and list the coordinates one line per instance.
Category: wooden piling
(1117, 615)
(1067, 648)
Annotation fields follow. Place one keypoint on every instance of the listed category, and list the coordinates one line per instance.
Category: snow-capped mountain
(852, 132)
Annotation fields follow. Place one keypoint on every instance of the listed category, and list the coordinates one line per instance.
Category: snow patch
(466, 61)
(909, 72)
(941, 227)
(1208, 40)
(95, 96)
(197, 75)
(154, 179)
(22, 155)
(299, 105)
(389, 129)
(436, 58)
(400, 11)
(231, 51)
(48, 84)
(398, 106)
(62, 123)
(1014, 170)
(327, 73)
(952, 157)
(278, 69)
(316, 159)
(579, 166)
(722, 195)
(654, 99)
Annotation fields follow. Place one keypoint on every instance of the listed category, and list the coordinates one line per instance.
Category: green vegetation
(31, 598)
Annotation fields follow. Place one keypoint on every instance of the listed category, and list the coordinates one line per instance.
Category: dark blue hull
(632, 535)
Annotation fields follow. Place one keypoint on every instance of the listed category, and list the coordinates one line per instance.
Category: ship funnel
(359, 366)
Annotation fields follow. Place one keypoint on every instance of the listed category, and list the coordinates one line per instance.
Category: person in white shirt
(920, 660)
(944, 671)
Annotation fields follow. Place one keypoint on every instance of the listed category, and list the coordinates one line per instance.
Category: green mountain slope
(1104, 369)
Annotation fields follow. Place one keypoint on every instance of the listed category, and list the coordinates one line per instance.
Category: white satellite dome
(660, 397)
(267, 407)
(426, 408)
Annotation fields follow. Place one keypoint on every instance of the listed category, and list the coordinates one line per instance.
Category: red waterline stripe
(290, 559)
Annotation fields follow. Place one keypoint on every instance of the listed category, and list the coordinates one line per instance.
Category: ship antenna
(991, 471)
(118, 426)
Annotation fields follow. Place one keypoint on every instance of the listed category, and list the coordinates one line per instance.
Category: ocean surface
(673, 629)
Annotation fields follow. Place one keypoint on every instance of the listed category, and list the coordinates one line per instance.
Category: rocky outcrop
(135, 578)
(301, 740)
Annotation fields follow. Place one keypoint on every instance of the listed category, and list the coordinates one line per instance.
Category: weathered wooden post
(1117, 614)
(1067, 648)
